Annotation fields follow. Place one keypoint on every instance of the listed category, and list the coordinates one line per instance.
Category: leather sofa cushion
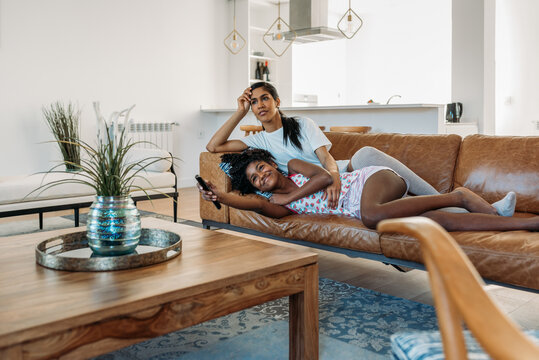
(432, 157)
(510, 257)
(333, 230)
(491, 166)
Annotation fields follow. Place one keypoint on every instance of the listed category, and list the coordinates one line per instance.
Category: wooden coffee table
(48, 313)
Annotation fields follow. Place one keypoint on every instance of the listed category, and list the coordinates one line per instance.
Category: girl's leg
(482, 222)
(382, 199)
(369, 156)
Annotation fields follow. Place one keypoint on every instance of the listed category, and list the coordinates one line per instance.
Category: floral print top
(314, 204)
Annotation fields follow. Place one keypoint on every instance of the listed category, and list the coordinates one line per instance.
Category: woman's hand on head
(212, 195)
(279, 199)
(244, 101)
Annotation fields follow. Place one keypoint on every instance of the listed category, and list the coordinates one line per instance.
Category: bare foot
(473, 202)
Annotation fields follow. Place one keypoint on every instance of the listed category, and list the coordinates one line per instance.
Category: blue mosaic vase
(113, 226)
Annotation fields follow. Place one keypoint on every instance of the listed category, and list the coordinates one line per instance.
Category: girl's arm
(333, 192)
(219, 141)
(313, 135)
(319, 179)
(257, 204)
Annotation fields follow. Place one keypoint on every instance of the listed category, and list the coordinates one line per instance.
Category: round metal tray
(71, 252)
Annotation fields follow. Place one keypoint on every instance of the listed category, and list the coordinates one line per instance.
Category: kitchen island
(389, 118)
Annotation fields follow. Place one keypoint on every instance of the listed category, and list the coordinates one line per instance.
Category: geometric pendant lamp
(350, 23)
(279, 35)
(234, 42)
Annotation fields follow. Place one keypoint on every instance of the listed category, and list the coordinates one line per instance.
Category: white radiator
(152, 134)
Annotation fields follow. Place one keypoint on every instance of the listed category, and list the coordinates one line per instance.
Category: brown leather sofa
(489, 165)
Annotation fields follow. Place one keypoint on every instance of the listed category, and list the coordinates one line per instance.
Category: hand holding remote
(205, 187)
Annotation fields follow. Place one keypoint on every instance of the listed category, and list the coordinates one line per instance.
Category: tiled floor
(522, 306)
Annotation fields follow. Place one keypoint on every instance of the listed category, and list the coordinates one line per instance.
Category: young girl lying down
(371, 194)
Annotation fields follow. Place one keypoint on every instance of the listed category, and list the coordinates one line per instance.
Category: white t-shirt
(311, 139)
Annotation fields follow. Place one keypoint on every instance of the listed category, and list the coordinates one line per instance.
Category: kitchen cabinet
(462, 129)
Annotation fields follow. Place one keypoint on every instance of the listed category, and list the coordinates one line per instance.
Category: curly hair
(238, 165)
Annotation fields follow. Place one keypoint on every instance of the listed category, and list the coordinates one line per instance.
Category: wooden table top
(35, 300)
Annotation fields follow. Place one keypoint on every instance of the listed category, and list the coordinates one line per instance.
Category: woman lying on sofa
(370, 194)
(288, 138)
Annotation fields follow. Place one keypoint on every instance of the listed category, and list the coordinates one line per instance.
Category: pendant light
(234, 42)
(279, 35)
(350, 23)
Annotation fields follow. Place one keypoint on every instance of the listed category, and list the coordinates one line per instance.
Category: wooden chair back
(354, 129)
(258, 128)
(459, 296)
(251, 129)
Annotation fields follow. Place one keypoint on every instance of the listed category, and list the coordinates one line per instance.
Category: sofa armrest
(210, 171)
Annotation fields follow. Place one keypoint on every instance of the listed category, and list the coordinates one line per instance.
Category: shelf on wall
(258, 80)
(258, 29)
(256, 57)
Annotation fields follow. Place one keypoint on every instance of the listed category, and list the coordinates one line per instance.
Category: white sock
(506, 206)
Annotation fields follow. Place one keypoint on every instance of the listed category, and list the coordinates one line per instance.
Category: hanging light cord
(279, 14)
(234, 14)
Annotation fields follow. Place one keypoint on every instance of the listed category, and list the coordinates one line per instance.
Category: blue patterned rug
(355, 323)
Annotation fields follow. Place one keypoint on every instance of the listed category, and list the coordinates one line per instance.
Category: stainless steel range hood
(310, 21)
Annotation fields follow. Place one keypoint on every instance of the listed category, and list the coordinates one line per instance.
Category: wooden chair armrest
(458, 292)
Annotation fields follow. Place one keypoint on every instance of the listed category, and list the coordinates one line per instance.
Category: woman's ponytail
(291, 131)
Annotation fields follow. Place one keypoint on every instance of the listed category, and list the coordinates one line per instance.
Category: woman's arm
(333, 192)
(219, 141)
(319, 179)
(258, 204)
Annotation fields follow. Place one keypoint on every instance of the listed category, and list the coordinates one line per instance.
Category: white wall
(404, 47)
(166, 56)
(489, 67)
(467, 69)
(319, 68)
(517, 70)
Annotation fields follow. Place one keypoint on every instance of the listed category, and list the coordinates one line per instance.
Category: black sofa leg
(400, 268)
(76, 217)
(40, 221)
(175, 207)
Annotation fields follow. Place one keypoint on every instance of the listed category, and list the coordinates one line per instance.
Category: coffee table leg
(304, 318)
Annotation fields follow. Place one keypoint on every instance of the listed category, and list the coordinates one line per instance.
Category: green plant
(63, 121)
(104, 166)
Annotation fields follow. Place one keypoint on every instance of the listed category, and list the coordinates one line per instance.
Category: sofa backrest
(432, 157)
(493, 165)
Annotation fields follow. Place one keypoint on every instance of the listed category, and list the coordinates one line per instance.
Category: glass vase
(113, 226)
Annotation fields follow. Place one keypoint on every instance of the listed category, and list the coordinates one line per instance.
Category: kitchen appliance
(453, 112)
(312, 21)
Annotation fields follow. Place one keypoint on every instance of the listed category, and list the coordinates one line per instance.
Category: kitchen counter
(390, 118)
(338, 107)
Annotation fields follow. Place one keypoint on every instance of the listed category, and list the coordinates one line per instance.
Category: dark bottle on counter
(258, 72)
(266, 72)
